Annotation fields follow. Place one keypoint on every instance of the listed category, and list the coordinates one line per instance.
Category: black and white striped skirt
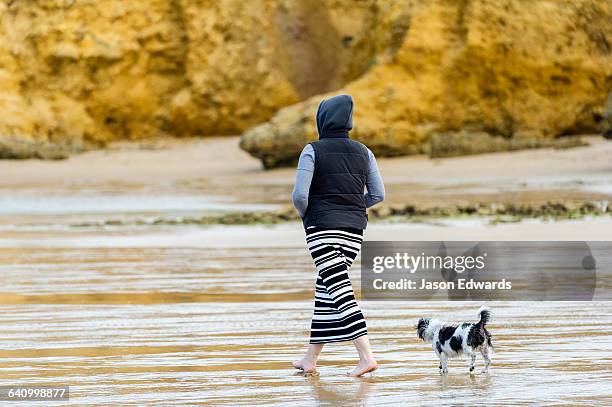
(337, 316)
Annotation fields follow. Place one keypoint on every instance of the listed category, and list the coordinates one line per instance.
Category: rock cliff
(82, 72)
(511, 73)
(76, 73)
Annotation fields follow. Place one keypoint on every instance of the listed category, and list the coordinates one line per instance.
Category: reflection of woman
(332, 176)
(357, 394)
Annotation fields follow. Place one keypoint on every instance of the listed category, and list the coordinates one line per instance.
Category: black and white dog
(453, 340)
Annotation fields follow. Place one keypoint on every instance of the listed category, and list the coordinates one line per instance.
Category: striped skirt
(337, 316)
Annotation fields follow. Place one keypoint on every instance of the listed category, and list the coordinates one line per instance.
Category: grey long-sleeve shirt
(305, 170)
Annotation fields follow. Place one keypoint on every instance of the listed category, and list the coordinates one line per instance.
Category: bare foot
(305, 366)
(364, 367)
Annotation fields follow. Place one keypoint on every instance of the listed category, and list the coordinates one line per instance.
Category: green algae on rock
(497, 212)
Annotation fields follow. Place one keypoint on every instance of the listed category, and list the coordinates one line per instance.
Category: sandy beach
(174, 178)
(139, 313)
(215, 315)
(216, 167)
(171, 179)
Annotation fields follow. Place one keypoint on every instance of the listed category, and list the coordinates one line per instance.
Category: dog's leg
(487, 359)
(443, 364)
(472, 361)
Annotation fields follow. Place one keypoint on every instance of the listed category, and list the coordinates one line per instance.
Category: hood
(335, 117)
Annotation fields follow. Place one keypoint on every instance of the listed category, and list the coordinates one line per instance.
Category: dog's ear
(423, 322)
(421, 327)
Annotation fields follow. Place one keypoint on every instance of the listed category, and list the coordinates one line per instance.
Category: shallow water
(184, 315)
(60, 209)
(189, 325)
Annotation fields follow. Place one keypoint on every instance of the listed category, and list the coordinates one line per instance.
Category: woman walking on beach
(332, 175)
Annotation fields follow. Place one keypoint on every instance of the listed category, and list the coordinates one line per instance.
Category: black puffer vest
(335, 198)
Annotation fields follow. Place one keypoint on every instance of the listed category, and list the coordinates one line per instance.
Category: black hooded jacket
(336, 195)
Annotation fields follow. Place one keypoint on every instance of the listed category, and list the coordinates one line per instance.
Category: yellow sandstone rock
(83, 72)
(505, 68)
(76, 73)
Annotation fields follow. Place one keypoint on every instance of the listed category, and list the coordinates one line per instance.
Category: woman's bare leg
(309, 362)
(367, 363)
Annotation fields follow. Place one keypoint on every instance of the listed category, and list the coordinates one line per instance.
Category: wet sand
(220, 326)
(214, 316)
(185, 314)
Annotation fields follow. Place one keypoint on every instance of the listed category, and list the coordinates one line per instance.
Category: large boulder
(503, 68)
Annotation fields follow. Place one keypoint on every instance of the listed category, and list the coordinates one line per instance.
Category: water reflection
(331, 394)
(179, 326)
(480, 382)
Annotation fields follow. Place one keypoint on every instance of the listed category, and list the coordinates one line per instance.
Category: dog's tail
(485, 316)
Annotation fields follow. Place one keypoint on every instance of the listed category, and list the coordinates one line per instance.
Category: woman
(332, 176)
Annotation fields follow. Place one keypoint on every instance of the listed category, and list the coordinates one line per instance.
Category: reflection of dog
(453, 340)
